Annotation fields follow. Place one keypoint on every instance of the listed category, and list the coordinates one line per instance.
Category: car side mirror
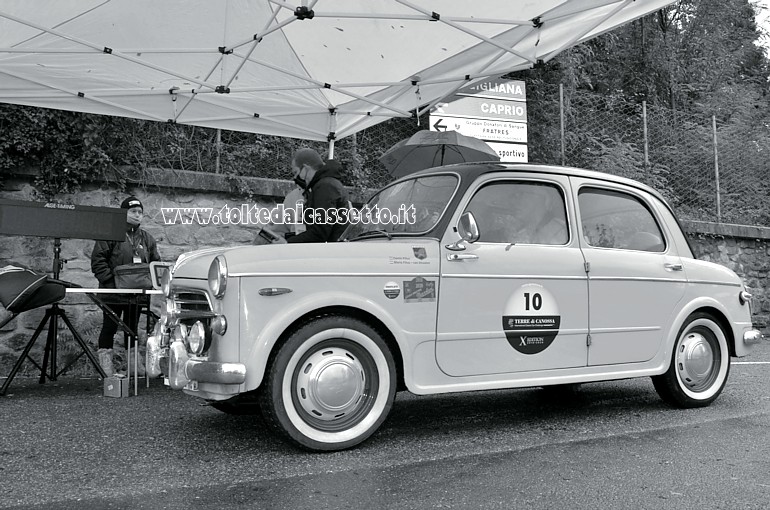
(468, 230)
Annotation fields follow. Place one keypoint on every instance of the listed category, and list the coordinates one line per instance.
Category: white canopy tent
(316, 70)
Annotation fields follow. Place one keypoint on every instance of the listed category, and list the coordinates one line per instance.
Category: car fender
(689, 308)
(256, 360)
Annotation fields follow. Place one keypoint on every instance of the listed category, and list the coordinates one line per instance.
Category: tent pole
(332, 129)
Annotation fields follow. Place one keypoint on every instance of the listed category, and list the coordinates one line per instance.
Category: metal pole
(716, 167)
(646, 144)
(561, 117)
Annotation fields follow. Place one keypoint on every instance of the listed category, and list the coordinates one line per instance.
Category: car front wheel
(330, 385)
(700, 364)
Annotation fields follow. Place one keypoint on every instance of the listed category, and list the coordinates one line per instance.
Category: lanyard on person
(137, 257)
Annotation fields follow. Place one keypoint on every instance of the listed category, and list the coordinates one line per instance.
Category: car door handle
(461, 256)
(672, 267)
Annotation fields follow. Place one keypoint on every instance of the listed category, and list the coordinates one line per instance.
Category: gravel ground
(64, 445)
(65, 436)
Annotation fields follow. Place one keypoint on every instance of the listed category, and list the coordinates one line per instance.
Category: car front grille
(192, 301)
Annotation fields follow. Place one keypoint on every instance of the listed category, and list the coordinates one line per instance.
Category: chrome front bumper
(181, 370)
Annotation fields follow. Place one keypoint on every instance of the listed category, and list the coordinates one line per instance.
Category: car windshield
(407, 207)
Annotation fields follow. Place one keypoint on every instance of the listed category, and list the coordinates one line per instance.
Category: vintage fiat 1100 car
(471, 277)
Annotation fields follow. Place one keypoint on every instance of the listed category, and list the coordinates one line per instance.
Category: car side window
(520, 212)
(612, 219)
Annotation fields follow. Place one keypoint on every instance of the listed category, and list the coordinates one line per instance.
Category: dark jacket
(107, 255)
(324, 192)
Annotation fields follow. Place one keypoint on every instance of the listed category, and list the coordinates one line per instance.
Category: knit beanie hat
(131, 202)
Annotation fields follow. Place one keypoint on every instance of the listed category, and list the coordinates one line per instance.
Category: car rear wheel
(700, 364)
(330, 385)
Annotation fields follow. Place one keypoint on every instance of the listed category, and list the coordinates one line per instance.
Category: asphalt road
(614, 445)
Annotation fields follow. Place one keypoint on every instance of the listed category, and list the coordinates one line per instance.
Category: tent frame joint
(304, 12)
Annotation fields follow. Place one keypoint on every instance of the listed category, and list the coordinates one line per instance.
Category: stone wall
(162, 189)
(746, 250)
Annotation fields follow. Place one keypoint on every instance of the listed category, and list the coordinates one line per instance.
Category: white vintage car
(502, 276)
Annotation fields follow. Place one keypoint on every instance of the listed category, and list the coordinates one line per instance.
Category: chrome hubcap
(330, 384)
(695, 362)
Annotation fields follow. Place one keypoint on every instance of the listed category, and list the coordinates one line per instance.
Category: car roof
(472, 171)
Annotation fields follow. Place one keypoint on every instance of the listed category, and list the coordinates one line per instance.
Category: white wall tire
(330, 385)
(700, 364)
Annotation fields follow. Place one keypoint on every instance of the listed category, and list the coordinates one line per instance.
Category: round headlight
(196, 339)
(218, 276)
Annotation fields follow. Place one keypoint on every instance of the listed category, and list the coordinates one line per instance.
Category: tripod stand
(51, 318)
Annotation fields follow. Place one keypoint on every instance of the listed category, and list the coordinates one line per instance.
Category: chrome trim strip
(338, 275)
(194, 314)
(635, 329)
(516, 276)
(636, 279)
(274, 291)
(726, 284)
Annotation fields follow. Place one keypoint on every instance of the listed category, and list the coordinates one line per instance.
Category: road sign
(488, 130)
(502, 89)
(511, 152)
(494, 111)
(483, 108)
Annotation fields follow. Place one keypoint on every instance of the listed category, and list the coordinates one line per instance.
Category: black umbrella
(428, 149)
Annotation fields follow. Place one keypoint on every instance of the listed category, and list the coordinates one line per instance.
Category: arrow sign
(483, 129)
(438, 126)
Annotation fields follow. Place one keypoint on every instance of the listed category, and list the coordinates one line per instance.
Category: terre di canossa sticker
(531, 319)
(391, 290)
(419, 290)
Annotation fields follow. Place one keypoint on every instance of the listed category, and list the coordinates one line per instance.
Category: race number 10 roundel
(531, 319)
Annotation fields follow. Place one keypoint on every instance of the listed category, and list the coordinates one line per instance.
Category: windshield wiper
(373, 233)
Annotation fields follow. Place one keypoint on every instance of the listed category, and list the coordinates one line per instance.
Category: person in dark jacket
(138, 246)
(323, 193)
